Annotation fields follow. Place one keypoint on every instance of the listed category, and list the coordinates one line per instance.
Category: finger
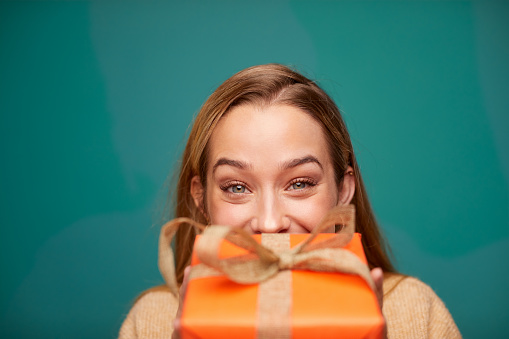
(176, 329)
(377, 275)
(182, 292)
(185, 281)
(378, 278)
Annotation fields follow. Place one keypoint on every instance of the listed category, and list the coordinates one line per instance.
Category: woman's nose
(271, 218)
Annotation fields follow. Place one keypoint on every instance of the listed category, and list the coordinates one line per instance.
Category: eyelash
(307, 181)
(230, 184)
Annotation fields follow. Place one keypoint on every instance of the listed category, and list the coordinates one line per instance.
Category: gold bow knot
(286, 261)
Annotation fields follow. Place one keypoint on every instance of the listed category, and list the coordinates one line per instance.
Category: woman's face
(269, 171)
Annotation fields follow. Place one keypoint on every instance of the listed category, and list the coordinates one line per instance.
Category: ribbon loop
(261, 263)
(166, 262)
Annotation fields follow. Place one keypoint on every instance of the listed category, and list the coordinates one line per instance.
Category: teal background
(95, 103)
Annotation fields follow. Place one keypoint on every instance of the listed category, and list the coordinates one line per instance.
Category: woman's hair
(267, 85)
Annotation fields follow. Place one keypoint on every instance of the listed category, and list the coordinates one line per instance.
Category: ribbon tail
(166, 262)
(339, 215)
(334, 260)
(356, 266)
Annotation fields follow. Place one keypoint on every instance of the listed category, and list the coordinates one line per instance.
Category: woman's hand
(182, 293)
(378, 278)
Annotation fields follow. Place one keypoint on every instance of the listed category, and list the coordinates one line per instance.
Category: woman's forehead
(272, 134)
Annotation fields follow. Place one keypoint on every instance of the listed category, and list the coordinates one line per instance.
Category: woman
(269, 152)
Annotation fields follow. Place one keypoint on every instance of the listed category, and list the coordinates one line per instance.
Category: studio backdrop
(95, 103)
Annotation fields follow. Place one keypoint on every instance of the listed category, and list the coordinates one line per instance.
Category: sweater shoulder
(406, 284)
(151, 315)
(413, 310)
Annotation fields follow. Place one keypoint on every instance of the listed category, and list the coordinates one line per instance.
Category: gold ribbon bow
(261, 263)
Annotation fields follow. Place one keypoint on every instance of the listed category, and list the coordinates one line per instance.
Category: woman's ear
(347, 187)
(197, 193)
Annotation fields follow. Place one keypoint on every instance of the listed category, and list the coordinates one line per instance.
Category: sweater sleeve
(413, 310)
(151, 316)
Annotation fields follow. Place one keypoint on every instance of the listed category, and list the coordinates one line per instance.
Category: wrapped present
(281, 285)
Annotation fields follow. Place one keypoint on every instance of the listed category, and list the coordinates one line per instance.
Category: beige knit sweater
(411, 308)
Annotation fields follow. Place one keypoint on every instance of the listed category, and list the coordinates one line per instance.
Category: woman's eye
(301, 184)
(298, 185)
(237, 189)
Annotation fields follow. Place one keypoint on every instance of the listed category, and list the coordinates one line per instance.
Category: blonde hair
(268, 85)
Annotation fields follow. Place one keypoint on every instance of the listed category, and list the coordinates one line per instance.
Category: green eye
(238, 189)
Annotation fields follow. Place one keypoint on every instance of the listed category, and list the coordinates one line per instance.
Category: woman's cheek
(225, 213)
(308, 213)
(304, 214)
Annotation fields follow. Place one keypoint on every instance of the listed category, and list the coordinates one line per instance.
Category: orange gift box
(322, 304)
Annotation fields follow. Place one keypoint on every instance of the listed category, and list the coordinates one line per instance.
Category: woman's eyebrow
(230, 162)
(300, 161)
